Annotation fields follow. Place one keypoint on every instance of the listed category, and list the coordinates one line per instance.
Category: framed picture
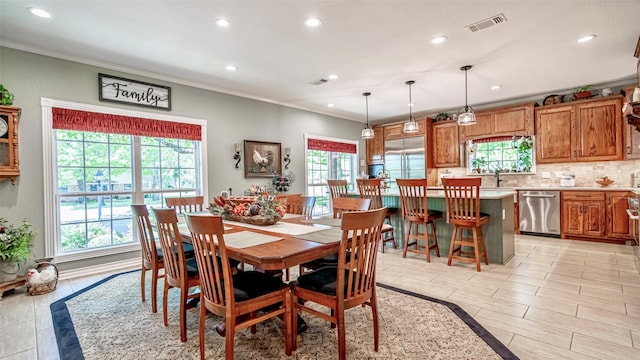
(262, 159)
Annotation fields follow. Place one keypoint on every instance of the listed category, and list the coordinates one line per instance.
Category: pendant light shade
(367, 131)
(466, 116)
(410, 126)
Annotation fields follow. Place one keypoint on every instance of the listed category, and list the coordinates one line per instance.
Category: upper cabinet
(445, 144)
(9, 160)
(589, 130)
(375, 146)
(631, 135)
(508, 120)
(395, 131)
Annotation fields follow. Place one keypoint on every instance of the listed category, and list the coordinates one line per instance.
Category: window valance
(332, 146)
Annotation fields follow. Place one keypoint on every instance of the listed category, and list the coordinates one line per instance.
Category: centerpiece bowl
(264, 210)
(604, 182)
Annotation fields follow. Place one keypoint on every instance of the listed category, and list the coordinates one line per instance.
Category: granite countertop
(436, 192)
(579, 188)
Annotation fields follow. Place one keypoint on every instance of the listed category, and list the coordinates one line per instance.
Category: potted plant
(441, 116)
(15, 247)
(6, 97)
(582, 92)
(478, 163)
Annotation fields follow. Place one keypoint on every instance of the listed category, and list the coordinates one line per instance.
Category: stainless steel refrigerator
(404, 159)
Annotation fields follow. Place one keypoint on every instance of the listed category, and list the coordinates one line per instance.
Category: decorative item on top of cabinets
(9, 160)
(583, 92)
(589, 130)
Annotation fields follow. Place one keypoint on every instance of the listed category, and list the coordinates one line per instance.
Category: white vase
(8, 270)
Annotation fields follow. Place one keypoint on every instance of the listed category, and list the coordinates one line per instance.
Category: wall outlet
(558, 174)
(546, 175)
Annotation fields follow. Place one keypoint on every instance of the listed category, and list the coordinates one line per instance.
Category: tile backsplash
(622, 172)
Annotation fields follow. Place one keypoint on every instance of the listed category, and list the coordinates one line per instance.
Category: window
(98, 174)
(329, 159)
(504, 154)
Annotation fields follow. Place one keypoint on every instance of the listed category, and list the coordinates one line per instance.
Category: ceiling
(373, 46)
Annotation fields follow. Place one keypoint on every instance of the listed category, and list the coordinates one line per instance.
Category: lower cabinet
(596, 215)
(583, 214)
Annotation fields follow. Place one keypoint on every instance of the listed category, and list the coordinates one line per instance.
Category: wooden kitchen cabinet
(589, 130)
(508, 120)
(395, 131)
(618, 226)
(375, 146)
(631, 135)
(583, 214)
(445, 146)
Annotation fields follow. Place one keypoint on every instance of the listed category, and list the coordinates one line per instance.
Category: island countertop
(438, 192)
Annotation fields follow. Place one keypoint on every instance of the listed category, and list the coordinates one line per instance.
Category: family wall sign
(120, 90)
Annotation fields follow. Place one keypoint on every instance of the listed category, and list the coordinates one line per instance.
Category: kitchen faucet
(497, 175)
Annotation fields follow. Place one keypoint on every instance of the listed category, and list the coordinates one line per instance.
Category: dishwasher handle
(538, 196)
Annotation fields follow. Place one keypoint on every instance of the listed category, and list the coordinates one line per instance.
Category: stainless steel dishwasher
(540, 212)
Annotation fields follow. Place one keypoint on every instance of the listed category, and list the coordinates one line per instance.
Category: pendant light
(367, 131)
(410, 126)
(466, 116)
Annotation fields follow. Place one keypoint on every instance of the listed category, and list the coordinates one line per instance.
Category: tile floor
(556, 299)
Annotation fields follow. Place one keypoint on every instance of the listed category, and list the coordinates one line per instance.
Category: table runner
(323, 236)
(279, 227)
(243, 239)
(329, 221)
(291, 216)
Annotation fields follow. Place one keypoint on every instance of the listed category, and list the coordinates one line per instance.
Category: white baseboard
(96, 269)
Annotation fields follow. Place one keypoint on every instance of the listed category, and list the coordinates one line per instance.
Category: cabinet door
(445, 145)
(554, 132)
(599, 130)
(515, 121)
(632, 142)
(572, 219)
(393, 131)
(618, 226)
(375, 146)
(594, 218)
(482, 128)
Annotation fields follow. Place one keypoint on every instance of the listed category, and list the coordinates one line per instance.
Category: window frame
(51, 215)
(470, 157)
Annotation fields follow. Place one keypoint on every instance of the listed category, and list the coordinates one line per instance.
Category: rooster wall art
(262, 159)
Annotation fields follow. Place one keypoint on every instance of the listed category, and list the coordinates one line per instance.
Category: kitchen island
(498, 233)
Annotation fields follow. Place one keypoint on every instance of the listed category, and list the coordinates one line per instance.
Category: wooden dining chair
(338, 188)
(179, 272)
(462, 199)
(301, 205)
(371, 189)
(340, 207)
(151, 255)
(415, 210)
(351, 283)
(235, 297)
(186, 203)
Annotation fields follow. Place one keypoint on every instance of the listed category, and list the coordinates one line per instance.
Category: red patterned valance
(493, 139)
(332, 146)
(78, 120)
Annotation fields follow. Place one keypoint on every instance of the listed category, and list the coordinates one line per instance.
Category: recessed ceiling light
(586, 38)
(332, 77)
(496, 87)
(438, 39)
(312, 22)
(231, 68)
(330, 105)
(39, 12)
(223, 22)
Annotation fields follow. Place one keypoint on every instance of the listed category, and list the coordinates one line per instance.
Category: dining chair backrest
(338, 188)
(413, 195)
(343, 205)
(186, 203)
(172, 249)
(216, 281)
(462, 200)
(302, 205)
(361, 234)
(370, 189)
(145, 232)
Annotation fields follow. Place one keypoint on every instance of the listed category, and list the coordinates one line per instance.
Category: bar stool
(370, 189)
(415, 209)
(463, 212)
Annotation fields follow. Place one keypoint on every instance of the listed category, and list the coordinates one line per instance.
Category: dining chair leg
(183, 315)
(203, 318)
(342, 338)
(229, 338)
(154, 290)
(288, 318)
(143, 274)
(165, 300)
(294, 322)
(374, 314)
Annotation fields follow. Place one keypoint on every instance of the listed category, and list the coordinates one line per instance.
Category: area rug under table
(107, 320)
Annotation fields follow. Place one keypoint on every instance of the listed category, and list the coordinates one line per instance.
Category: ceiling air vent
(318, 82)
(486, 23)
